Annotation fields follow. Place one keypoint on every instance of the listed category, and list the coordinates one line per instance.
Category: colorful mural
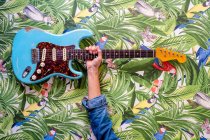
(147, 99)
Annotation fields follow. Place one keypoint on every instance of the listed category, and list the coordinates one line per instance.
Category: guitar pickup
(35, 55)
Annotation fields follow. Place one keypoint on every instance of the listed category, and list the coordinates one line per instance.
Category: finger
(94, 49)
(99, 52)
(91, 49)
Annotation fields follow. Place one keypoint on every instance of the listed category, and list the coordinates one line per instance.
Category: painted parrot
(36, 107)
(156, 86)
(83, 15)
(164, 66)
(36, 15)
(202, 99)
(198, 8)
(202, 138)
(144, 8)
(102, 42)
(51, 135)
(203, 56)
(127, 121)
(145, 104)
(192, 13)
(161, 133)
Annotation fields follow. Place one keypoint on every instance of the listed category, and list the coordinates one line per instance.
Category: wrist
(93, 71)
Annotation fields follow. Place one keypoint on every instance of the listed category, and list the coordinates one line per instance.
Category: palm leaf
(120, 93)
(171, 7)
(10, 100)
(13, 6)
(59, 9)
(18, 136)
(183, 93)
(199, 30)
(181, 43)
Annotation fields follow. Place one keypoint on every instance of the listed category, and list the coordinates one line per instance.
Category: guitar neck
(85, 55)
(50, 52)
(47, 52)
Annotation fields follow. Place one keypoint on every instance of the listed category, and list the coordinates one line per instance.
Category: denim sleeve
(99, 118)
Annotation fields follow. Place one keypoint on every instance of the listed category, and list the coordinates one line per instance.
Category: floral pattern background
(147, 99)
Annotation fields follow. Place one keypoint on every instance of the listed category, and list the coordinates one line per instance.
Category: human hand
(95, 63)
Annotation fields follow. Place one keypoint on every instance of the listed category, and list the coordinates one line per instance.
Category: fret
(129, 53)
(81, 55)
(72, 55)
(140, 53)
(105, 54)
(76, 56)
(86, 55)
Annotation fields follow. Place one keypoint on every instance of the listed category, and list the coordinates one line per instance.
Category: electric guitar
(38, 55)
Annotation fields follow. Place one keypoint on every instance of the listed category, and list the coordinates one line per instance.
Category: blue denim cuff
(96, 102)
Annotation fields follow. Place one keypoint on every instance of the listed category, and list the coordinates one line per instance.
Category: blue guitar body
(31, 62)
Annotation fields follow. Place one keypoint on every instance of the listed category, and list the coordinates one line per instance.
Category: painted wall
(147, 98)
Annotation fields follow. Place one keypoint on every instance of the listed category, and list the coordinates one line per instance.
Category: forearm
(93, 83)
(99, 118)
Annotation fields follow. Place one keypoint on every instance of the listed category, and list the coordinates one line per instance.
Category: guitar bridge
(35, 55)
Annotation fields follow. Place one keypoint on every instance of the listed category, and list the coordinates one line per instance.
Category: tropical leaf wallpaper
(147, 99)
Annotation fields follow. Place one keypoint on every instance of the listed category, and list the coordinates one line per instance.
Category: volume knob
(33, 77)
(39, 71)
(42, 64)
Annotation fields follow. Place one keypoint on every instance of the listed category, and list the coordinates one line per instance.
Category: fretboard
(83, 54)
(47, 51)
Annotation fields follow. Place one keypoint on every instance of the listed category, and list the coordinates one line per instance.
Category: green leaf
(18, 136)
(9, 98)
(169, 26)
(73, 96)
(141, 80)
(183, 93)
(202, 79)
(120, 93)
(13, 6)
(58, 28)
(137, 65)
(181, 43)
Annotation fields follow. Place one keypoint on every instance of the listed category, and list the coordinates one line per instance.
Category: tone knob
(42, 64)
(34, 77)
(38, 71)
